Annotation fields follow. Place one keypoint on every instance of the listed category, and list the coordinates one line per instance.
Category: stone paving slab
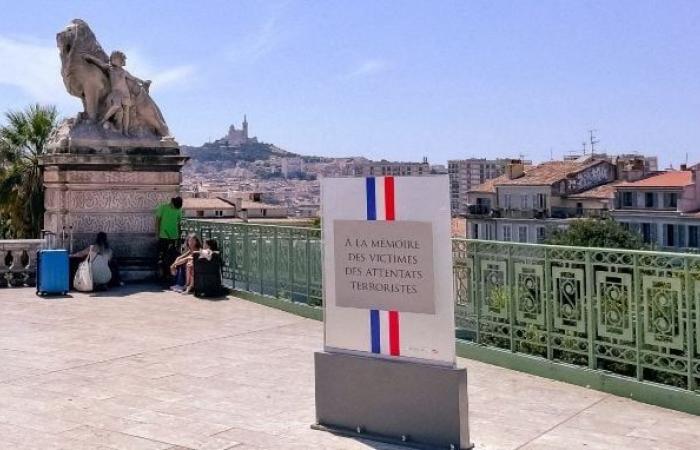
(139, 368)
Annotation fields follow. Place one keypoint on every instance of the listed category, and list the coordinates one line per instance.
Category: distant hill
(250, 151)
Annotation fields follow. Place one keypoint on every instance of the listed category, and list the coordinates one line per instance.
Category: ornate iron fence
(634, 313)
(279, 261)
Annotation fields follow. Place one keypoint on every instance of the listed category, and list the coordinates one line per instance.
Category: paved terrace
(152, 370)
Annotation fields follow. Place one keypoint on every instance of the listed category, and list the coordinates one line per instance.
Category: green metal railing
(280, 261)
(632, 313)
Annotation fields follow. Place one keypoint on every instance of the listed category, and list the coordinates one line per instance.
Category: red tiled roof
(679, 178)
(489, 185)
(544, 174)
(599, 192)
(205, 203)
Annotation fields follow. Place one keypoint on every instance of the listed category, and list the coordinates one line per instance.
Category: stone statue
(116, 104)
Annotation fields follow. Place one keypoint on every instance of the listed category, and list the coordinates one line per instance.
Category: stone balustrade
(18, 262)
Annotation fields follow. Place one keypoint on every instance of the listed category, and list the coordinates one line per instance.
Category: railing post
(510, 280)
(548, 310)
(232, 262)
(261, 270)
(590, 296)
(290, 266)
(275, 243)
(246, 257)
(308, 268)
(638, 319)
(476, 275)
(690, 345)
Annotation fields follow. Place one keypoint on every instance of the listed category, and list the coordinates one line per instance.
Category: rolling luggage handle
(49, 240)
(70, 236)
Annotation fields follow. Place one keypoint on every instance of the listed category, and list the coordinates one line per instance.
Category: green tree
(604, 233)
(23, 140)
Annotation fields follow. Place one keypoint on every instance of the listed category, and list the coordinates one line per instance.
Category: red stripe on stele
(390, 209)
(389, 198)
(394, 347)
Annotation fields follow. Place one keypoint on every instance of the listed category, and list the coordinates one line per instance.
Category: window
(670, 200)
(646, 232)
(649, 199)
(507, 233)
(523, 202)
(508, 201)
(627, 199)
(540, 201)
(475, 231)
(522, 233)
(670, 235)
(693, 236)
(541, 234)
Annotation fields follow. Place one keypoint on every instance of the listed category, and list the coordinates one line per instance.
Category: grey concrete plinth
(417, 405)
(115, 193)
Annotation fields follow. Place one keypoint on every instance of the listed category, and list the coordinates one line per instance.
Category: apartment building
(466, 174)
(393, 168)
(664, 208)
(526, 203)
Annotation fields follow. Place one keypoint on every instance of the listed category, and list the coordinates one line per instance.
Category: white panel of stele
(387, 267)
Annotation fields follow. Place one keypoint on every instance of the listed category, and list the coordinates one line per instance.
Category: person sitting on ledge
(183, 264)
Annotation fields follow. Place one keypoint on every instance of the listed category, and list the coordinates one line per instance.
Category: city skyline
(447, 81)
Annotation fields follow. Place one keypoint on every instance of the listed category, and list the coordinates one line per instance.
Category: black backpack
(207, 276)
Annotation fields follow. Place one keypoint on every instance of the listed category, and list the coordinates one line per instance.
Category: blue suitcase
(52, 272)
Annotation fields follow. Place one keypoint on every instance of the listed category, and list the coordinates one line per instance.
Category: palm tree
(22, 141)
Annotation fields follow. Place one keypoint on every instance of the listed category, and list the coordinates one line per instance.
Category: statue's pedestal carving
(115, 193)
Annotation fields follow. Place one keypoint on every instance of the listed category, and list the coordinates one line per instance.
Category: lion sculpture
(91, 84)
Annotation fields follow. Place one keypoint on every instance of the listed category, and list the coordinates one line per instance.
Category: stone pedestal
(112, 186)
(401, 402)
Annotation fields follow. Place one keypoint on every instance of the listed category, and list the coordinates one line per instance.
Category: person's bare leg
(189, 283)
(114, 109)
(118, 120)
(126, 120)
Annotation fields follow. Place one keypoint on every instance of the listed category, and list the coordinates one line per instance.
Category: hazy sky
(391, 79)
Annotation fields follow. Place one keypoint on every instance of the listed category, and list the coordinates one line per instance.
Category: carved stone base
(114, 193)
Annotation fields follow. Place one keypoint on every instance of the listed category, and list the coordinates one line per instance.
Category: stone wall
(116, 194)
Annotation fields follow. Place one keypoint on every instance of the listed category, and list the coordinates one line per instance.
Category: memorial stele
(109, 167)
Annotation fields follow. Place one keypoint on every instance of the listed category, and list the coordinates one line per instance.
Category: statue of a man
(119, 100)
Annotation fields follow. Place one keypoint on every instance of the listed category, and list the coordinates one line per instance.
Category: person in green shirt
(168, 217)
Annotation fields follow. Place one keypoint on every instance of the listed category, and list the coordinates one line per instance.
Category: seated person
(207, 267)
(104, 268)
(210, 247)
(184, 262)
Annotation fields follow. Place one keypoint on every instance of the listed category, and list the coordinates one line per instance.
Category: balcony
(595, 309)
(479, 211)
(558, 212)
(137, 367)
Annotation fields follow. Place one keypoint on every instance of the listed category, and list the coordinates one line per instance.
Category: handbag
(83, 277)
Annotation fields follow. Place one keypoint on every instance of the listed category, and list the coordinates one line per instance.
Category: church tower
(245, 127)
